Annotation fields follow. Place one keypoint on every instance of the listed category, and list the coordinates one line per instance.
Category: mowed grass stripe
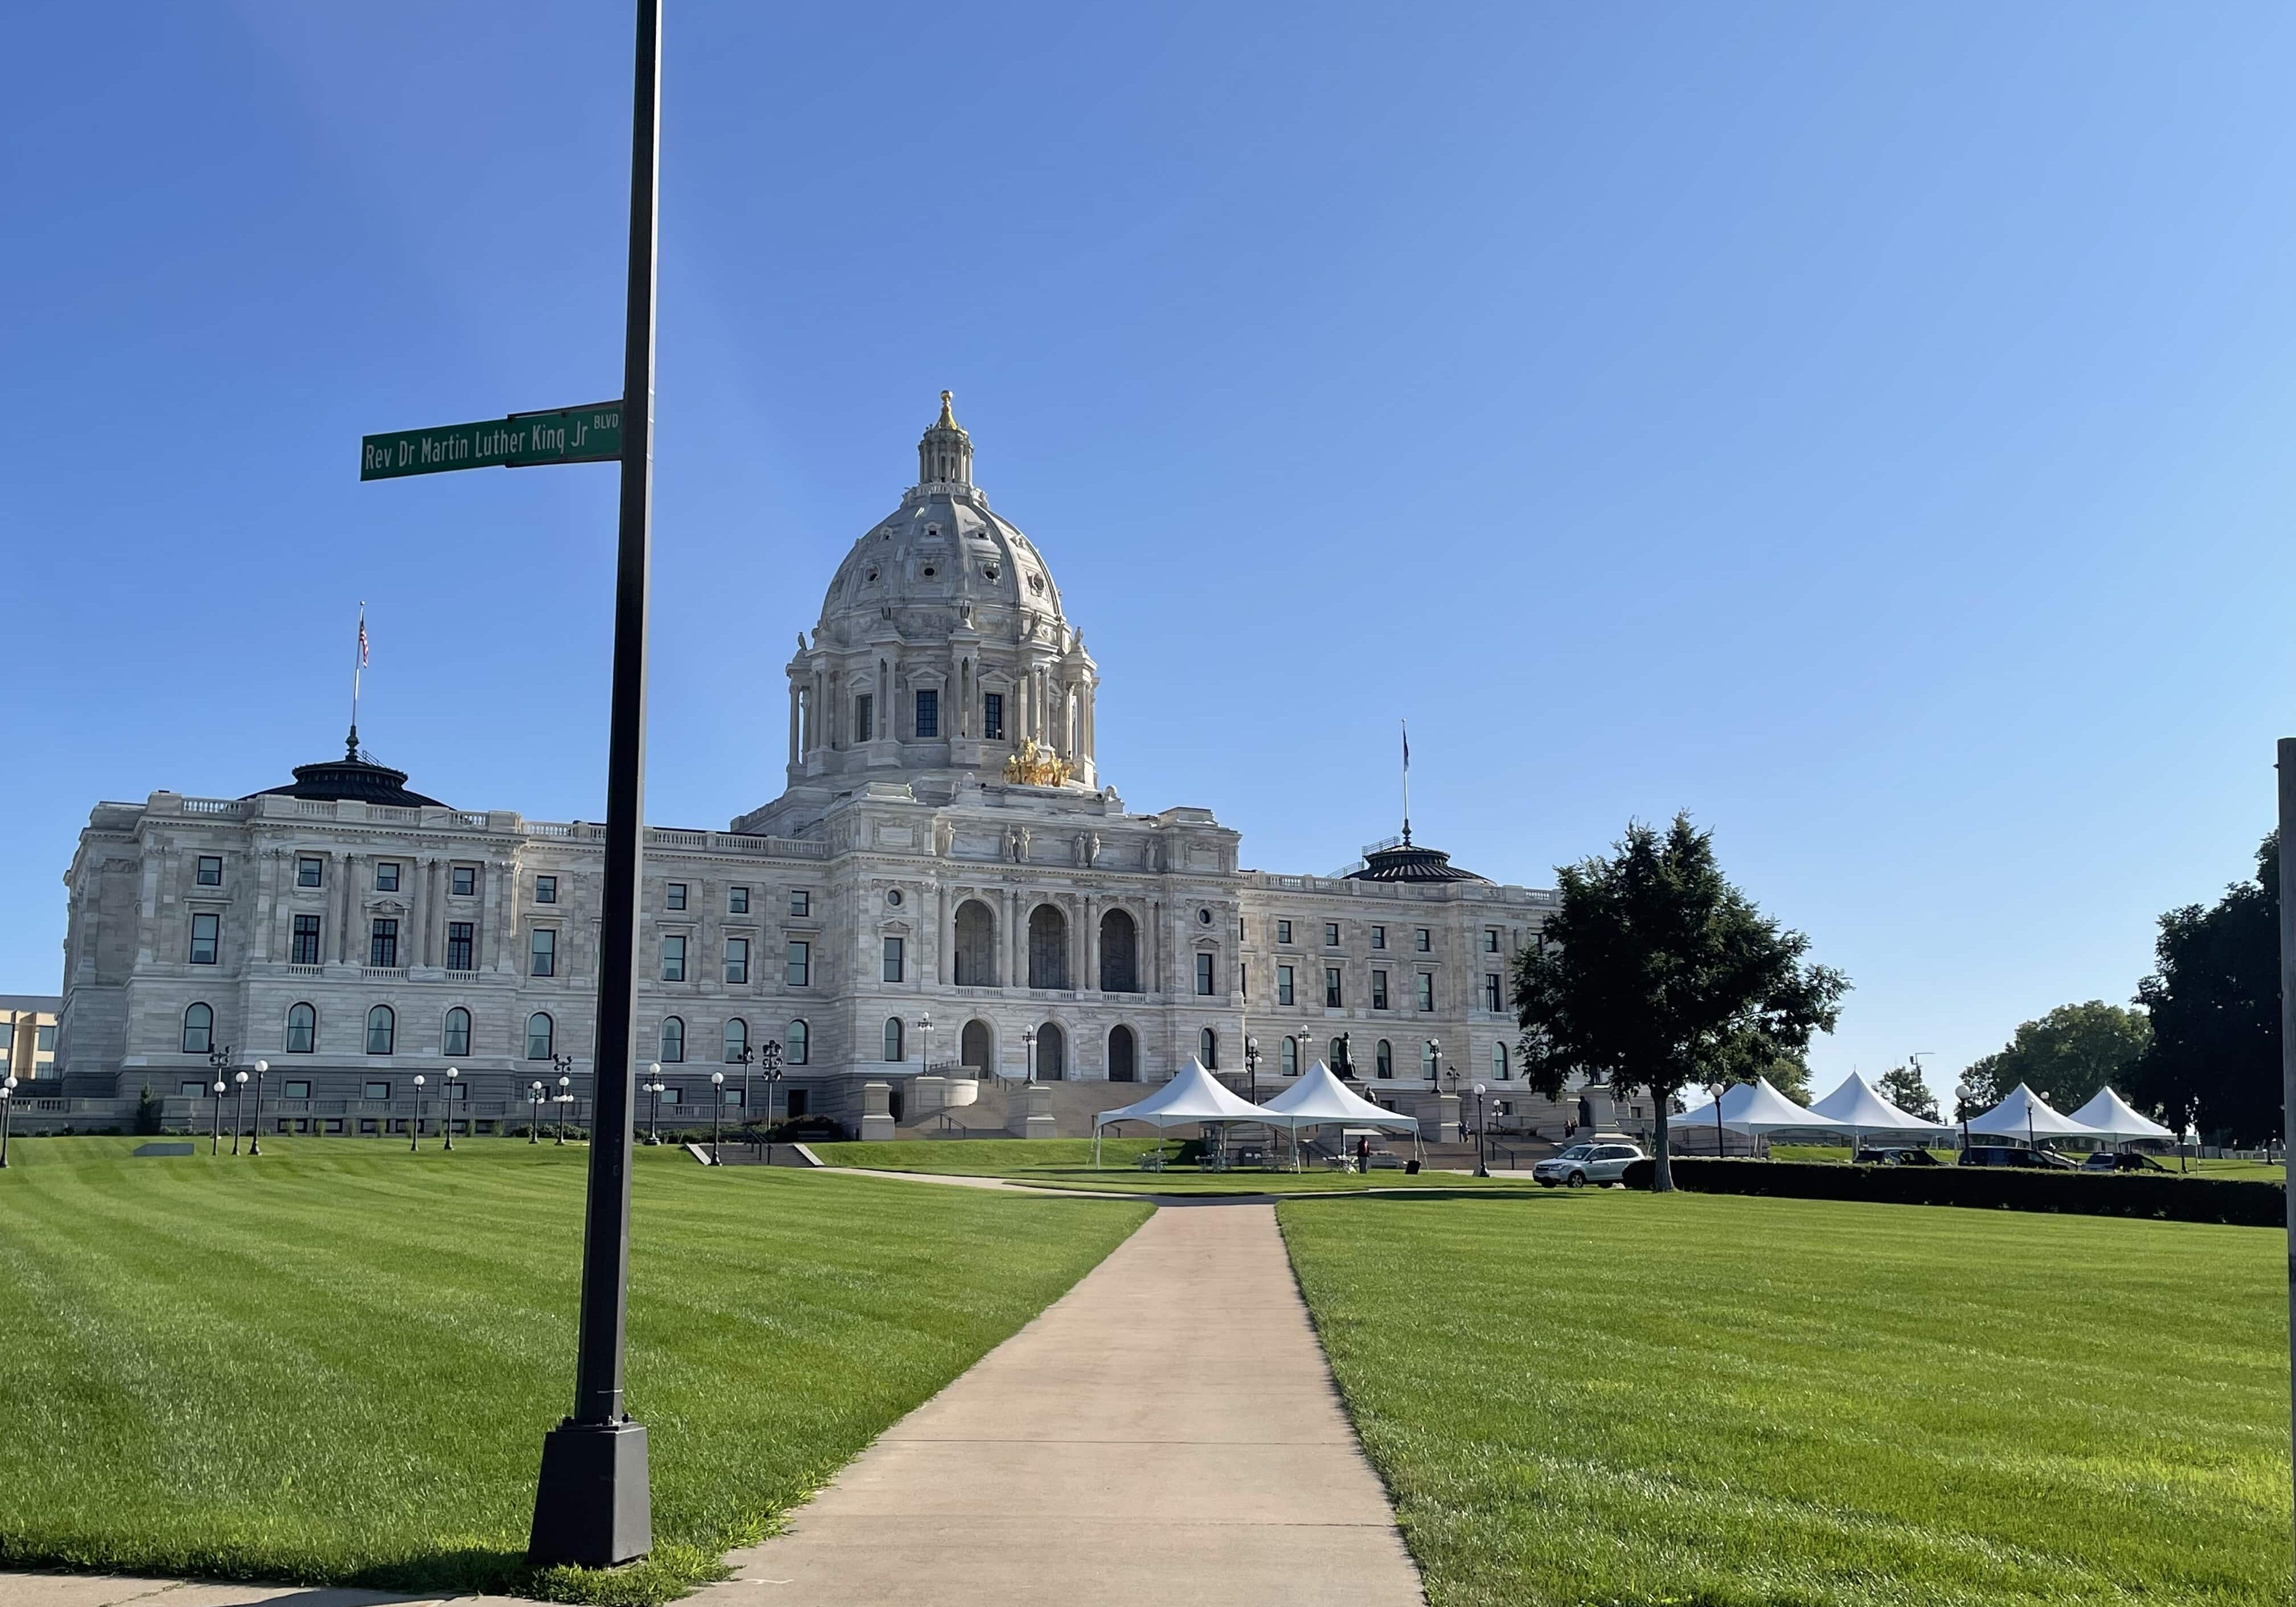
(1710, 1399)
(336, 1363)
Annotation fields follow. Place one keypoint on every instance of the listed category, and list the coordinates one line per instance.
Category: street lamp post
(446, 1105)
(7, 1101)
(654, 1086)
(1252, 1065)
(238, 1108)
(1482, 1131)
(744, 1060)
(1962, 1094)
(220, 1056)
(255, 1138)
(565, 1097)
(1027, 1055)
(214, 1134)
(534, 1111)
(769, 1063)
(717, 1112)
(924, 1028)
(414, 1128)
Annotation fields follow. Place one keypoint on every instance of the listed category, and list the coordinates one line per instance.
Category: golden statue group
(1033, 765)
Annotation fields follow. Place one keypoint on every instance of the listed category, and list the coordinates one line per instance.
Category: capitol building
(947, 901)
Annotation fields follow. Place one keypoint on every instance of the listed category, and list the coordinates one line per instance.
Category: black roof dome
(1402, 862)
(355, 775)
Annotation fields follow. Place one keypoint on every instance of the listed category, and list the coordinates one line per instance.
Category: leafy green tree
(2214, 1058)
(147, 1112)
(1902, 1087)
(1656, 973)
(2067, 1055)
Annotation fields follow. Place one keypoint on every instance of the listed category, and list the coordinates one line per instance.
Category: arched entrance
(1048, 947)
(1119, 953)
(976, 946)
(1052, 1056)
(976, 1049)
(1123, 1056)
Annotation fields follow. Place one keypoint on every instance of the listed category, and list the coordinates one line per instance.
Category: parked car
(1585, 1163)
(2037, 1160)
(1897, 1156)
(2121, 1160)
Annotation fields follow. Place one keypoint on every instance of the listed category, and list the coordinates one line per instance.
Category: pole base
(593, 1507)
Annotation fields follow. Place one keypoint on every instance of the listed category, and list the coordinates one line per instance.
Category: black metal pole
(255, 1139)
(214, 1133)
(593, 1506)
(2287, 891)
(7, 1102)
(238, 1111)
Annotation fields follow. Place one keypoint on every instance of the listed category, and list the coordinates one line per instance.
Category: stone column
(793, 723)
(345, 868)
(1091, 978)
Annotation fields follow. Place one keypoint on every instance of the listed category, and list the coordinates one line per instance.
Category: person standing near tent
(1363, 1154)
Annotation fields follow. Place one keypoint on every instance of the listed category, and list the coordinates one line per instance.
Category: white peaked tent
(1858, 1105)
(2111, 1115)
(1319, 1100)
(2025, 1114)
(1756, 1109)
(1193, 1096)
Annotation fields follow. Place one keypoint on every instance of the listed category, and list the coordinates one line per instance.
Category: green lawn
(1067, 1163)
(337, 1364)
(1727, 1401)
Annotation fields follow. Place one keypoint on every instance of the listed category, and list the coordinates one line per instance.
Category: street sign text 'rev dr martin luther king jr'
(524, 440)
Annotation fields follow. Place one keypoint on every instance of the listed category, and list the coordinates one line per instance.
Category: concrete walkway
(1168, 1431)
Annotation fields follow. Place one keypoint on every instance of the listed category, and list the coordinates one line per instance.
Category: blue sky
(1868, 429)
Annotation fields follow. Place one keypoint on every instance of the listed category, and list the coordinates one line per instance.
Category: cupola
(945, 455)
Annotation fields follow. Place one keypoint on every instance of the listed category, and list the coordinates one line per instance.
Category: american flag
(1407, 738)
(362, 641)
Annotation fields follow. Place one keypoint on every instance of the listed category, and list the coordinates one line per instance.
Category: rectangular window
(1379, 937)
(800, 904)
(992, 716)
(308, 872)
(211, 871)
(865, 717)
(1427, 990)
(674, 896)
(737, 900)
(1331, 988)
(376, 1090)
(298, 1090)
(673, 958)
(732, 1096)
(928, 714)
(191, 1090)
(1284, 932)
(461, 940)
(205, 930)
(892, 959)
(737, 959)
(386, 876)
(382, 943)
(671, 1094)
(546, 889)
(1283, 985)
(1491, 940)
(800, 971)
(1424, 942)
(463, 881)
(305, 951)
(1204, 974)
(1491, 993)
(455, 1091)
(1331, 934)
(1378, 990)
(43, 1039)
(542, 952)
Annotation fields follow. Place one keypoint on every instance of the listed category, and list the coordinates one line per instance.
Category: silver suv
(1585, 1163)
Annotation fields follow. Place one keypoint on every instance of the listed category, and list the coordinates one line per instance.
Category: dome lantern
(945, 455)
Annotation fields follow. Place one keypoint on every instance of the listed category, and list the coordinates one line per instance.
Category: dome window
(872, 576)
(929, 571)
(1037, 584)
(992, 568)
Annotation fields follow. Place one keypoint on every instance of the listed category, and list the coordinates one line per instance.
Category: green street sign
(523, 440)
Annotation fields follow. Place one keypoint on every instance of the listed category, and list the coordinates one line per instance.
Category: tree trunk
(1663, 1172)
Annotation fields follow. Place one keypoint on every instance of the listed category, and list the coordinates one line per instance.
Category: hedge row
(2238, 1201)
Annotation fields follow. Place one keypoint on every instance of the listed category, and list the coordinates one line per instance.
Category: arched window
(199, 1029)
(1119, 953)
(737, 1039)
(1289, 1057)
(976, 1049)
(1499, 1061)
(458, 1031)
(976, 945)
(1383, 1059)
(1123, 1056)
(1052, 1054)
(381, 1030)
(1207, 1049)
(892, 1037)
(1048, 947)
(1428, 1065)
(673, 1039)
(539, 1035)
(302, 1029)
(794, 1043)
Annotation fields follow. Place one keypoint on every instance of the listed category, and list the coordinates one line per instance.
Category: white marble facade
(900, 876)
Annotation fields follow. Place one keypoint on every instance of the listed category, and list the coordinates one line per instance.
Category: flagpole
(1406, 783)
(358, 664)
